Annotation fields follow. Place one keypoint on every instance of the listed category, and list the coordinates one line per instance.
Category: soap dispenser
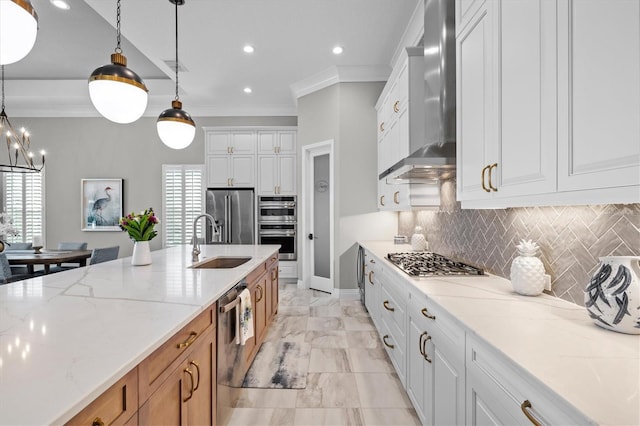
(418, 240)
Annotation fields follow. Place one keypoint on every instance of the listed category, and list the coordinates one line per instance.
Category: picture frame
(101, 204)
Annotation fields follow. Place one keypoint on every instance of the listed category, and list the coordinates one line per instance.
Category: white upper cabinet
(599, 83)
(277, 174)
(548, 102)
(277, 142)
(235, 142)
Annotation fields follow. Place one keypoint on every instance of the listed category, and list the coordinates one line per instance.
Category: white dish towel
(245, 320)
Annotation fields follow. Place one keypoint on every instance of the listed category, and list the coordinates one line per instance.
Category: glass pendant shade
(175, 127)
(18, 30)
(117, 92)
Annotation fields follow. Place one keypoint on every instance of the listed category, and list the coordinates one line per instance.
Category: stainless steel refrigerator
(233, 210)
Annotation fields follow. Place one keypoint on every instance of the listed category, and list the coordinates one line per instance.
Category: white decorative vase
(418, 240)
(141, 253)
(527, 271)
(612, 297)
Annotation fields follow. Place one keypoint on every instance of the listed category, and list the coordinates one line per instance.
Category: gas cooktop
(428, 264)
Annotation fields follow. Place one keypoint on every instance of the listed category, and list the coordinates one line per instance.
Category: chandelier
(18, 146)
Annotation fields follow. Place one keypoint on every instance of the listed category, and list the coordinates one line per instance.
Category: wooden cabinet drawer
(155, 368)
(257, 272)
(118, 405)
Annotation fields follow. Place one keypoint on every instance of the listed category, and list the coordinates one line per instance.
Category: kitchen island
(544, 345)
(65, 338)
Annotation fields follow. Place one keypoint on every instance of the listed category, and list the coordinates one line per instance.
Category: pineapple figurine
(527, 271)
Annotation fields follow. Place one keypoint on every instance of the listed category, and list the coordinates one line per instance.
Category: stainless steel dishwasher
(231, 366)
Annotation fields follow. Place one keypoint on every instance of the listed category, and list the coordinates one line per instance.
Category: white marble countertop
(65, 338)
(595, 370)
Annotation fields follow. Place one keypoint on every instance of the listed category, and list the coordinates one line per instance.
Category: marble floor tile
(294, 299)
(327, 339)
(328, 417)
(358, 323)
(325, 323)
(267, 398)
(365, 360)
(354, 310)
(292, 311)
(389, 416)
(292, 329)
(262, 416)
(324, 360)
(324, 301)
(363, 339)
(329, 390)
(381, 390)
(325, 311)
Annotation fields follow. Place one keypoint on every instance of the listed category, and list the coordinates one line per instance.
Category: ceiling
(292, 39)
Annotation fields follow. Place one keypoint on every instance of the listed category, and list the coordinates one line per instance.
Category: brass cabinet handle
(261, 294)
(427, 314)
(232, 150)
(382, 126)
(228, 150)
(190, 340)
(274, 275)
(424, 349)
(370, 279)
(386, 306)
(484, 169)
(372, 261)
(97, 422)
(186, 370)
(382, 200)
(525, 406)
(395, 106)
(384, 340)
(420, 348)
(195, 364)
(395, 197)
(232, 181)
(491, 167)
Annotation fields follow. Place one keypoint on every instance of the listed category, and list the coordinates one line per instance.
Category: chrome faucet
(196, 246)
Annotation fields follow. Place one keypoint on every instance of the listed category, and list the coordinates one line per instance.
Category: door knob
(310, 236)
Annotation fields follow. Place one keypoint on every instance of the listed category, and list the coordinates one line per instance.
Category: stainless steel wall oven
(277, 224)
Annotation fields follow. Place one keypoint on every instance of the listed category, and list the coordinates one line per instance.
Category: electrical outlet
(547, 283)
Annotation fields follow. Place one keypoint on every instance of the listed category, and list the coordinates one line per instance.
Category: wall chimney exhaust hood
(437, 159)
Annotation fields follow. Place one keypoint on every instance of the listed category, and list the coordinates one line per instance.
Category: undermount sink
(221, 262)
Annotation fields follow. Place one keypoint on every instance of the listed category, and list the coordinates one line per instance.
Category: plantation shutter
(24, 202)
(182, 201)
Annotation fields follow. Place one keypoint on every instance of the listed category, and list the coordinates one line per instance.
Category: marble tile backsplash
(571, 238)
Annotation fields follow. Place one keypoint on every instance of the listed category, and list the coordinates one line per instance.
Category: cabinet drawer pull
(186, 370)
(427, 314)
(387, 307)
(384, 340)
(395, 106)
(395, 197)
(382, 126)
(195, 364)
(97, 422)
(372, 261)
(370, 277)
(228, 150)
(190, 340)
(424, 349)
(261, 294)
(482, 178)
(491, 167)
(420, 348)
(525, 406)
(382, 200)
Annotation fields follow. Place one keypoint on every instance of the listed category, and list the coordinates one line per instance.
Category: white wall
(345, 113)
(80, 148)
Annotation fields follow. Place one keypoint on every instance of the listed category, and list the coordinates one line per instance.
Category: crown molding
(336, 74)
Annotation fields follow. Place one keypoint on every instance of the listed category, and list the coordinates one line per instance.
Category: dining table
(30, 258)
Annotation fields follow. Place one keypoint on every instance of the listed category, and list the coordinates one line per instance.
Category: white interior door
(318, 205)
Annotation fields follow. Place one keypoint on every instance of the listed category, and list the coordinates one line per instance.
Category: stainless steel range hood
(436, 159)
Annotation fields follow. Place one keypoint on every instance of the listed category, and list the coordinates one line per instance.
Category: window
(182, 201)
(23, 195)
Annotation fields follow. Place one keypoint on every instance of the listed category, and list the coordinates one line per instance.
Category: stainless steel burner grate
(427, 264)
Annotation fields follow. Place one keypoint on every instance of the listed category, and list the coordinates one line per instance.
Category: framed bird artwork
(102, 204)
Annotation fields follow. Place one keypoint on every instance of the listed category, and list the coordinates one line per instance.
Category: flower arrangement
(140, 226)
(6, 226)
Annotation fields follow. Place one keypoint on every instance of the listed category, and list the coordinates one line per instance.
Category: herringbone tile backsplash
(570, 238)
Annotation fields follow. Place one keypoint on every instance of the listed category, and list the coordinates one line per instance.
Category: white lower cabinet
(372, 287)
(435, 364)
(500, 393)
(288, 269)
(392, 305)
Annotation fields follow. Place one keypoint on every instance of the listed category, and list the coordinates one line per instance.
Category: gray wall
(80, 148)
(345, 113)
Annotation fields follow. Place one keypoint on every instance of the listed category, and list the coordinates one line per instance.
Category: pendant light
(117, 92)
(18, 30)
(175, 126)
(19, 156)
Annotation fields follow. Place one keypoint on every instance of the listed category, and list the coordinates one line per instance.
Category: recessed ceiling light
(248, 48)
(247, 90)
(60, 4)
(338, 50)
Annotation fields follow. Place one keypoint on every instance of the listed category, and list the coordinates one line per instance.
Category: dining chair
(7, 275)
(18, 246)
(72, 246)
(105, 254)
